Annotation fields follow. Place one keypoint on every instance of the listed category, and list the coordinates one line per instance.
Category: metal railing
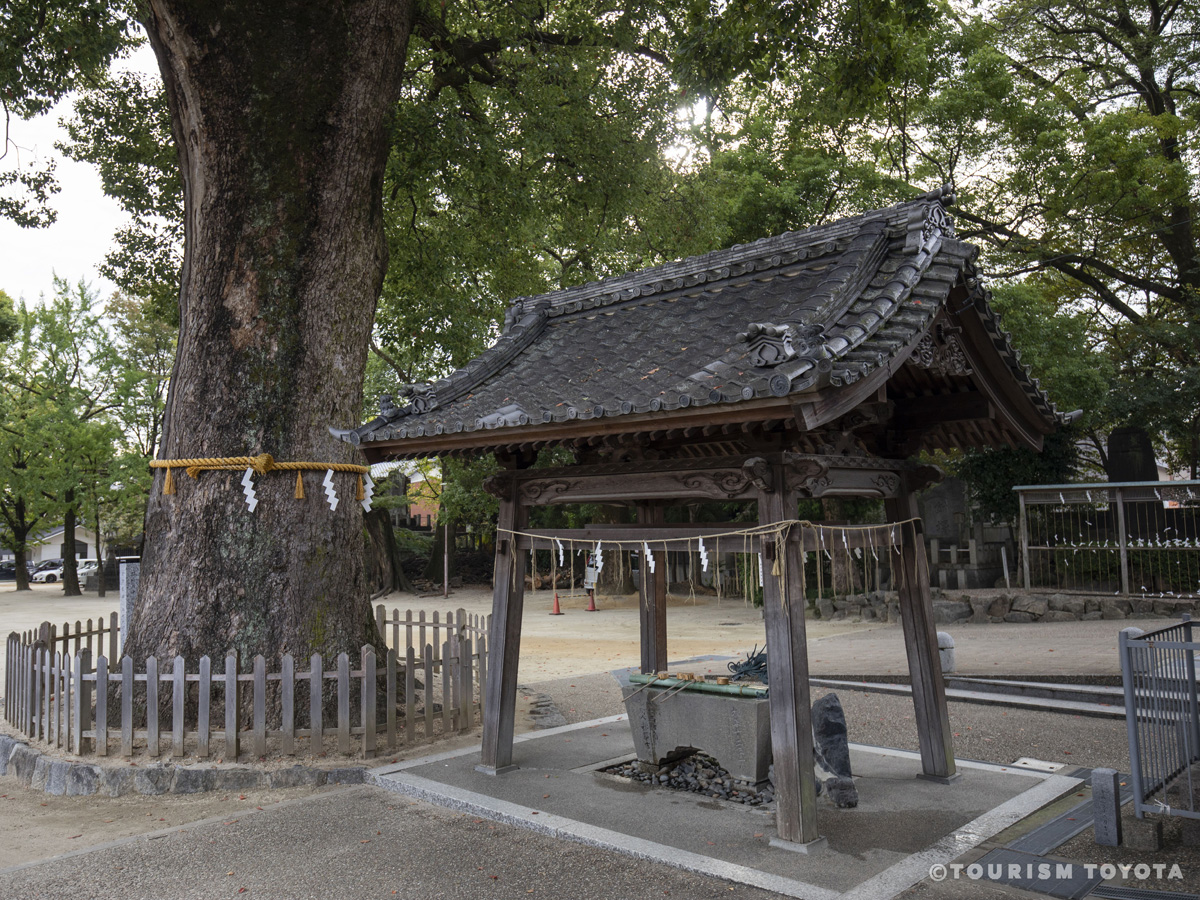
(1162, 718)
(1134, 538)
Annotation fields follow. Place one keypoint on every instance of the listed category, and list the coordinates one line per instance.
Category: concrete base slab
(795, 847)
(901, 827)
(940, 779)
(492, 770)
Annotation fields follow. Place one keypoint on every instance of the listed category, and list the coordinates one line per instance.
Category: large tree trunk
(70, 572)
(279, 112)
(384, 571)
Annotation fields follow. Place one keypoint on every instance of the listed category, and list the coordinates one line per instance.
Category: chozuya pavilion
(812, 364)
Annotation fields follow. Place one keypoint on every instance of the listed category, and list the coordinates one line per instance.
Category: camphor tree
(290, 121)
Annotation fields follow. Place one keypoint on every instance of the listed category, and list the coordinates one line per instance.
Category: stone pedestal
(130, 572)
(735, 731)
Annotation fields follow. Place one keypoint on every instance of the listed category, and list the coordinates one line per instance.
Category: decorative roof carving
(942, 351)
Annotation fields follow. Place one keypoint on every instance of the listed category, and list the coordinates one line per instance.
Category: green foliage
(48, 49)
(9, 323)
(123, 127)
(81, 407)
(991, 474)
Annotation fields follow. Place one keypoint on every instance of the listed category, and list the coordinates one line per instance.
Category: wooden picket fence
(55, 694)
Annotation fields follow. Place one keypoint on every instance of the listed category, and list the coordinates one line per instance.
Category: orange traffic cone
(591, 607)
(556, 611)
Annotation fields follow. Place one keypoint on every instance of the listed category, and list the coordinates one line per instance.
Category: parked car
(48, 575)
(88, 567)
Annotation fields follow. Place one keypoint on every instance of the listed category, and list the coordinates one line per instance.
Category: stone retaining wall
(42, 772)
(951, 607)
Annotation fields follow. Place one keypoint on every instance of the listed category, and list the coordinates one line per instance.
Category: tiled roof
(781, 316)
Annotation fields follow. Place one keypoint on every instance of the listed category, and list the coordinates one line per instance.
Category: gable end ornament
(941, 351)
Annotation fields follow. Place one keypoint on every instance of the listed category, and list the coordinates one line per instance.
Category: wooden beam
(911, 573)
(652, 611)
(504, 640)
(787, 664)
(683, 537)
(923, 412)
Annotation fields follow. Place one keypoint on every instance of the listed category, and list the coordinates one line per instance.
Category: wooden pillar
(653, 590)
(787, 672)
(504, 639)
(911, 574)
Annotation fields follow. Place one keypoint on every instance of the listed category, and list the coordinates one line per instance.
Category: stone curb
(60, 777)
(1010, 606)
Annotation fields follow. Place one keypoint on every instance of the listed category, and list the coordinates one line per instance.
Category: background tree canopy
(536, 146)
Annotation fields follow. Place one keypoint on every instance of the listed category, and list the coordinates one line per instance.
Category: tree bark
(280, 113)
(384, 571)
(70, 572)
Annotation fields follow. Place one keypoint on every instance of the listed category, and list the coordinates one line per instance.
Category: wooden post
(204, 707)
(101, 741)
(287, 705)
(259, 700)
(152, 686)
(508, 602)
(178, 704)
(920, 643)
(231, 707)
(391, 697)
(787, 662)
(343, 703)
(128, 683)
(83, 700)
(316, 713)
(367, 697)
(653, 590)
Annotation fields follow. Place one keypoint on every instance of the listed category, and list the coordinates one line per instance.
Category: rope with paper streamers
(777, 532)
(264, 463)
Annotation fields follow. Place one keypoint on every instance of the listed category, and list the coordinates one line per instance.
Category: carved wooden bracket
(758, 470)
(500, 484)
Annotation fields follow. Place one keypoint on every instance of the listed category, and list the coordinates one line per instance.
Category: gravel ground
(986, 733)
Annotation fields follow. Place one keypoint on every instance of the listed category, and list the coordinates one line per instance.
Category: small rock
(1018, 617)
(1059, 615)
(83, 780)
(1029, 603)
(296, 776)
(193, 781)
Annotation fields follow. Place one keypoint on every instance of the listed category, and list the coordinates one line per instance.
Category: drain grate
(1123, 893)
(1067, 881)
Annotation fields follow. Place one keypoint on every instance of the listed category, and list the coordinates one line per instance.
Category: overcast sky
(75, 245)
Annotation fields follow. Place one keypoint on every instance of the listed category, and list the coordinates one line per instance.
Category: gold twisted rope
(261, 464)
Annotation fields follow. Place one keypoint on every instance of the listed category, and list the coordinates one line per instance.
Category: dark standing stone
(1131, 455)
(831, 751)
